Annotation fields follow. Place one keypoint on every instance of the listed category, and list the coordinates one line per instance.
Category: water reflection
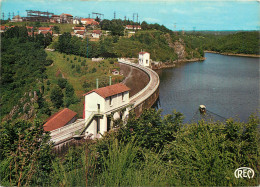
(227, 85)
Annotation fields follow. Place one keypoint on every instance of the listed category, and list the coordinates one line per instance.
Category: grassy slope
(77, 79)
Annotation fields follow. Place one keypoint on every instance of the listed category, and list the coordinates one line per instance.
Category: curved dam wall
(144, 84)
(136, 79)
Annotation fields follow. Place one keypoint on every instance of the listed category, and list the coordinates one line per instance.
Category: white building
(133, 27)
(144, 59)
(76, 29)
(96, 33)
(17, 19)
(102, 105)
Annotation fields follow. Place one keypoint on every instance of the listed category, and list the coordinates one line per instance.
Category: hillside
(234, 43)
(36, 83)
(164, 47)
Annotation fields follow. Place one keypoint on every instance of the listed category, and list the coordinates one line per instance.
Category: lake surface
(226, 85)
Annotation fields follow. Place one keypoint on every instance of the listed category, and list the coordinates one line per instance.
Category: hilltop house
(89, 21)
(133, 27)
(96, 33)
(80, 34)
(66, 18)
(76, 29)
(55, 19)
(60, 119)
(17, 19)
(144, 59)
(44, 30)
(3, 28)
(104, 104)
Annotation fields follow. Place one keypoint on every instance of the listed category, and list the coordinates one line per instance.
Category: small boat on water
(206, 115)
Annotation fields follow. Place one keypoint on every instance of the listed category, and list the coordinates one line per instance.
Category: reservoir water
(226, 85)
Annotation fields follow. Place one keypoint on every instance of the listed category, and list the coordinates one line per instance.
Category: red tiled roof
(29, 27)
(68, 15)
(44, 28)
(97, 31)
(55, 16)
(90, 21)
(3, 27)
(80, 32)
(79, 28)
(110, 90)
(59, 119)
(45, 32)
(133, 26)
(87, 19)
(143, 52)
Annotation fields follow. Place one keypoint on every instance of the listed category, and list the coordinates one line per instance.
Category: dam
(144, 91)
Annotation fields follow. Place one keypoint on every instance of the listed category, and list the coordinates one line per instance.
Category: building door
(108, 123)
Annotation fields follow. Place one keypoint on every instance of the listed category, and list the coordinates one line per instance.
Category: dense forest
(149, 151)
(23, 61)
(234, 43)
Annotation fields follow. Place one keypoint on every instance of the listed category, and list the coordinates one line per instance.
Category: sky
(174, 14)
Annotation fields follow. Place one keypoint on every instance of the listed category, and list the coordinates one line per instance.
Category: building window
(146, 61)
(110, 100)
(98, 106)
(123, 96)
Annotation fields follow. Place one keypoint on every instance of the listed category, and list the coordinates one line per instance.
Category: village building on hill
(55, 19)
(66, 18)
(133, 27)
(102, 105)
(89, 21)
(60, 119)
(144, 59)
(44, 30)
(96, 33)
(3, 28)
(17, 19)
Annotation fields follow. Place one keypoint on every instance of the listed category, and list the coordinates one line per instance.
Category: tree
(56, 29)
(57, 97)
(62, 82)
(64, 44)
(25, 154)
(69, 92)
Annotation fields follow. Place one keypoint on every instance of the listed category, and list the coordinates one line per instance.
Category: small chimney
(97, 83)
(202, 109)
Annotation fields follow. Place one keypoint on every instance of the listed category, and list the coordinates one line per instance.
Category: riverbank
(173, 64)
(232, 54)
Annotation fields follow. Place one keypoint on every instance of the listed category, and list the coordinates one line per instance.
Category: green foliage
(23, 62)
(151, 151)
(56, 29)
(57, 97)
(25, 154)
(62, 83)
(236, 43)
(93, 70)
